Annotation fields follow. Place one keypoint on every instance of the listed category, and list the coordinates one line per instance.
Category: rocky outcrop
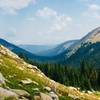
(54, 96)
(4, 93)
(21, 93)
(7, 52)
(45, 96)
(48, 89)
(26, 81)
(29, 81)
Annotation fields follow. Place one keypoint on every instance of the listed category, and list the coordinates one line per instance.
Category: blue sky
(47, 21)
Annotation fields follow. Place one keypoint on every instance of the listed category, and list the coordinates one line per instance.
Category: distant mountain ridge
(18, 50)
(36, 57)
(58, 49)
(86, 48)
(81, 50)
(36, 49)
(93, 37)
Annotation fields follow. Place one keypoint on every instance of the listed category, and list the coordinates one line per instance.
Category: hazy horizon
(47, 22)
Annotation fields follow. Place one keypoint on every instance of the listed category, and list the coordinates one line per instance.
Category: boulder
(89, 92)
(73, 88)
(53, 96)
(35, 83)
(47, 89)
(45, 97)
(20, 93)
(4, 93)
(37, 96)
(42, 96)
(27, 81)
(32, 67)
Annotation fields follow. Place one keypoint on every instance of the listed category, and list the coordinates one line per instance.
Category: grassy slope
(15, 69)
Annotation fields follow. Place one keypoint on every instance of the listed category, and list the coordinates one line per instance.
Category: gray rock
(89, 92)
(29, 81)
(26, 81)
(47, 89)
(4, 93)
(37, 96)
(42, 96)
(45, 97)
(53, 96)
(20, 93)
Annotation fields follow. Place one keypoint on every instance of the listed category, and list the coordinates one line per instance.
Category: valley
(49, 49)
(76, 66)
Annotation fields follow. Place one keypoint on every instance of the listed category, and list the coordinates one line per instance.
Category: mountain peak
(95, 31)
(93, 36)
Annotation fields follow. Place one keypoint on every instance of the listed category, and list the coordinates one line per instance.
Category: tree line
(87, 76)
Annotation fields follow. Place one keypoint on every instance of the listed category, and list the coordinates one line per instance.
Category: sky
(47, 21)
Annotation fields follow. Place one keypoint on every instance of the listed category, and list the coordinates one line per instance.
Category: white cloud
(12, 6)
(46, 12)
(59, 21)
(94, 7)
(93, 11)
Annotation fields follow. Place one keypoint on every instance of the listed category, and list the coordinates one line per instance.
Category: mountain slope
(91, 37)
(20, 78)
(19, 51)
(86, 48)
(58, 49)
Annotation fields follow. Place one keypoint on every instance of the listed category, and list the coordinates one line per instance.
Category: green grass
(9, 67)
(97, 93)
(10, 70)
(10, 98)
(65, 98)
(14, 75)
